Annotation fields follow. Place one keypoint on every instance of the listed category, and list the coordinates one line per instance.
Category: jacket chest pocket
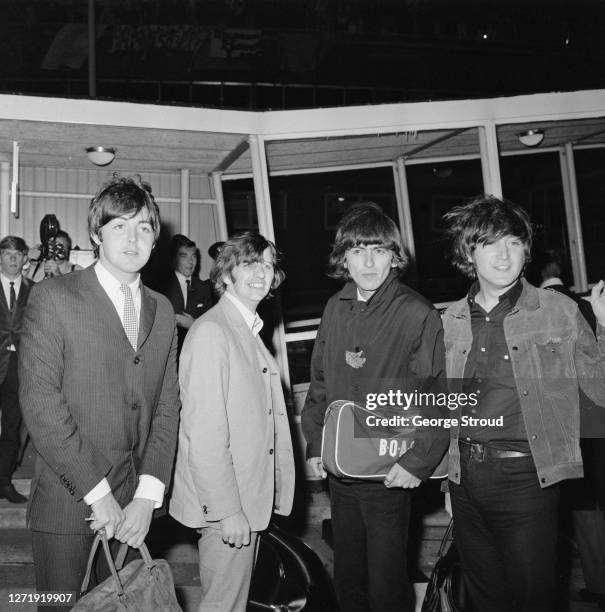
(554, 357)
(456, 354)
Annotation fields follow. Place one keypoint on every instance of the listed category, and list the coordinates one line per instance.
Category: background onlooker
(190, 297)
(15, 292)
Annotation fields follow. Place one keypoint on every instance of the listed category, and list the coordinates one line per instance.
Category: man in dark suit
(99, 391)
(15, 291)
(190, 297)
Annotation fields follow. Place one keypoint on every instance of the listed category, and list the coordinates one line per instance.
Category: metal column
(403, 206)
(4, 198)
(490, 165)
(572, 214)
(222, 232)
(185, 202)
(265, 227)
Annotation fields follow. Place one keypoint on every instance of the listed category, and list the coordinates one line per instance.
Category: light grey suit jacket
(235, 450)
(94, 407)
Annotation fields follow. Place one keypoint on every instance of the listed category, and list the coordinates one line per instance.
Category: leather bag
(144, 585)
(353, 448)
(445, 591)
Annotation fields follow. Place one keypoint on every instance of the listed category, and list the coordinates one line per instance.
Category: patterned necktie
(188, 283)
(130, 322)
(13, 296)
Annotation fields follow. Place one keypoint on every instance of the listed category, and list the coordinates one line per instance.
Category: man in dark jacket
(375, 333)
(15, 291)
(190, 297)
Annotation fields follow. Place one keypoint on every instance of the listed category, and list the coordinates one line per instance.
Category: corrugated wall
(71, 211)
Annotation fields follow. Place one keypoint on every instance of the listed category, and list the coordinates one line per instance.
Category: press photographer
(52, 258)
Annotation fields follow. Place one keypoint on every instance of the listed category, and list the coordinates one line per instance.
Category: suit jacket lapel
(102, 304)
(176, 294)
(148, 308)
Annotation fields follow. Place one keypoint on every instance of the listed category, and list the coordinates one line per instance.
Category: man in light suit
(234, 461)
(13, 297)
(190, 297)
(99, 392)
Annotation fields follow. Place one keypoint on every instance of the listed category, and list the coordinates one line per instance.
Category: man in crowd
(376, 329)
(100, 393)
(234, 463)
(524, 351)
(15, 291)
(190, 297)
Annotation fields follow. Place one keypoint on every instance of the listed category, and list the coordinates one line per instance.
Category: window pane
(434, 189)
(534, 182)
(590, 174)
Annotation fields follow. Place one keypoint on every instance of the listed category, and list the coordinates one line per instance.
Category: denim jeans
(370, 532)
(505, 528)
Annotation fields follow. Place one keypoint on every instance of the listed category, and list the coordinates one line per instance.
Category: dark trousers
(60, 563)
(10, 423)
(370, 531)
(505, 528)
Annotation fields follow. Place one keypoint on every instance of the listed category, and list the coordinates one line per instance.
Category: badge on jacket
(355, 360)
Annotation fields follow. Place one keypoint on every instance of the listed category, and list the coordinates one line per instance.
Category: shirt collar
(253, 322)
(511, 295)
(111, 284)
(7, 280)
(181, 277)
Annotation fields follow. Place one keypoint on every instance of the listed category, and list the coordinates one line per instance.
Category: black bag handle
(101, 537)
(447, 538)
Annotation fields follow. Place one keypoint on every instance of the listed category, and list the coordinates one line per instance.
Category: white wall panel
(72, 211)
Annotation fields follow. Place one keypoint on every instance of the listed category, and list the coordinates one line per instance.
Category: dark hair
(247, 247)
(364, 224)
(64, 234)
(118, 197)
(14, 242)
(485, 220)
(214, 249)
(177, 242)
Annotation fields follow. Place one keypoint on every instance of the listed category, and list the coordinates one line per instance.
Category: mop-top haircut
(119, 197)
(365, 224)
(483, 221)
(244, 248)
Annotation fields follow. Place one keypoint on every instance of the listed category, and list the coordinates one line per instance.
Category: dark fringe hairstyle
(118, 197)
(485, 220)
(364, 224)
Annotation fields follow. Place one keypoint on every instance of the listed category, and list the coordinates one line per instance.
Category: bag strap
(101, 536)
(121, 556)
(447, 538)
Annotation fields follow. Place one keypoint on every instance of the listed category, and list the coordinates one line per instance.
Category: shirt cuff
(151, 488)
(95, 494)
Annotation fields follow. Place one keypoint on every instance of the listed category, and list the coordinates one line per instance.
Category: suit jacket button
(135, 406)
(205, 509)
(264, 370)
(270, 451)
(136, 360)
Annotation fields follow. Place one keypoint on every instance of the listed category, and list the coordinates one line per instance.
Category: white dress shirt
(253, 321)
(183, 285)
(149, 486)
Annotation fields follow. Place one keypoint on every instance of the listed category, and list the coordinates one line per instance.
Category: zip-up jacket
(394, 340)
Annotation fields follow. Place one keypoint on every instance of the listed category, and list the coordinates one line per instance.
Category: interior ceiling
(47, 144)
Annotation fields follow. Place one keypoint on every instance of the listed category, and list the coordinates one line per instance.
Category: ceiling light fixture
(531, 138)
(100, 156)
